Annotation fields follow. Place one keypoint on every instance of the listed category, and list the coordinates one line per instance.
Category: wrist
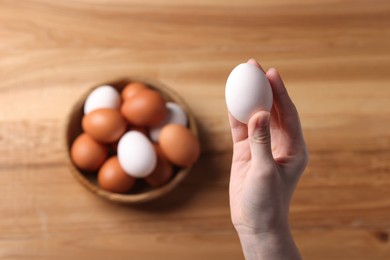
(271, 244)
(270, 227)
(268, 224)
(261, 237)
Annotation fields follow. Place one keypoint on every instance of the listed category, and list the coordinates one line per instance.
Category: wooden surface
(335, 59)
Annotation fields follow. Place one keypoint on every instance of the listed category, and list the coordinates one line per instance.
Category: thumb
(260, 137)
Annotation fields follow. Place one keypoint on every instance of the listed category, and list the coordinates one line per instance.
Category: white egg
(136, 154)
(102, 97)
(176, 115)
(247, 91)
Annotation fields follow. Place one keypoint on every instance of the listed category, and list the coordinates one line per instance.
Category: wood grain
(334, 56)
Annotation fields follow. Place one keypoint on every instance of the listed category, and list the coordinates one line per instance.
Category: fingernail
(252, 61)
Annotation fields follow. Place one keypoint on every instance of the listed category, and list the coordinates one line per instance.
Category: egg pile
(133, 134)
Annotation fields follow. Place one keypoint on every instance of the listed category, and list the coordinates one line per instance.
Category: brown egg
(163, 171)
(111, 177)
(104, 125)
(146, 108)
(132, 88)
(179, 145)
(87, 154)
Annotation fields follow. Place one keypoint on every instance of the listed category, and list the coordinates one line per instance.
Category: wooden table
(335, 59)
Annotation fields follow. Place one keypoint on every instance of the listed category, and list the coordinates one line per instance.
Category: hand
(269, 156)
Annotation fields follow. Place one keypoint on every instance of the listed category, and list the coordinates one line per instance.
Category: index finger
(288, 114)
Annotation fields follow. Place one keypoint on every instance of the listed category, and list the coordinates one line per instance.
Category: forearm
(270, 246)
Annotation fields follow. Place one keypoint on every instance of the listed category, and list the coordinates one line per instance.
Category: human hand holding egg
(122, 143)
(269, 156)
